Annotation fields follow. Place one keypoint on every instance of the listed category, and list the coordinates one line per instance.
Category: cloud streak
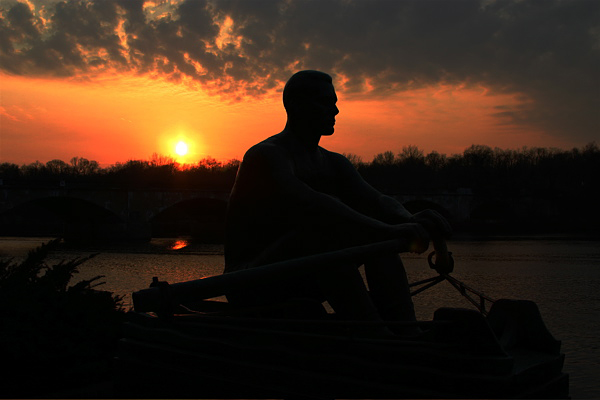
(548, 52)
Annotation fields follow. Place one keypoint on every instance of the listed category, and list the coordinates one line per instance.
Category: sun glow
(181, 148)
(134, 117)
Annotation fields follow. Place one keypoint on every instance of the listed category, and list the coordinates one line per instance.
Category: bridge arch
(62, 216)
(494, 209)
(201, 217)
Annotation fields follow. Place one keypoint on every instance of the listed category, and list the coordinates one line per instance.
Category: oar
(164, 296)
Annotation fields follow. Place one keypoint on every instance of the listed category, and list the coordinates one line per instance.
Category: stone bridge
(108, 212)
(90, 212)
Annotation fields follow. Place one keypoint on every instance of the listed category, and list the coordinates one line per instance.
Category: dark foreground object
(508, 354)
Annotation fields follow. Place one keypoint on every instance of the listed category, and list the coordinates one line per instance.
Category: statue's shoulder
(269, 149)
(336, 159)
(330, 154)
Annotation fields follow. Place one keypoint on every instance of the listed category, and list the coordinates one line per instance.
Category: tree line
(526, 171)
(534, 171)
(158, 172)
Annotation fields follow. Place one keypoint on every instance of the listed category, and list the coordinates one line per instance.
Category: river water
(561, 276)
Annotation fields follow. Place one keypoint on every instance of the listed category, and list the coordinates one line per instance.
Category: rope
(427, 282)
(466, 291)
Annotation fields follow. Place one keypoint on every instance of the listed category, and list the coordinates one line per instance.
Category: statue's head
(310, 101)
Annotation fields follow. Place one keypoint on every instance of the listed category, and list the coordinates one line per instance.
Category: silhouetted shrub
(54, 336)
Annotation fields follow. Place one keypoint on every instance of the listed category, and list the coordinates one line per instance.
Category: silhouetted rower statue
(293, 198)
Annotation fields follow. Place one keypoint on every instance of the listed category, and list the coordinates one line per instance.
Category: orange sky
(118, 118)
(112, 81)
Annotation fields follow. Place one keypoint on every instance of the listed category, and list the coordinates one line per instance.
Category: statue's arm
(363, 196)
(271, 164)
(385, 207)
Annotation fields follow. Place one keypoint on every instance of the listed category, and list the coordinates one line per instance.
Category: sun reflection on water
(179, 244)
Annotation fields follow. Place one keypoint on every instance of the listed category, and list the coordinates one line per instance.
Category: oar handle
(444, 263)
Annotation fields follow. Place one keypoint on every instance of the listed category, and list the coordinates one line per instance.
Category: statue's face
(318, 112)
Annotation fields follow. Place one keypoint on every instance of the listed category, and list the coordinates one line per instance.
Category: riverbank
(190, 245)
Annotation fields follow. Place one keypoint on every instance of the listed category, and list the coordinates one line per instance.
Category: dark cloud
(547, 51)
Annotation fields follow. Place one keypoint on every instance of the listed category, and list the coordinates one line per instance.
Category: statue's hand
(434, 222)
(415, 235)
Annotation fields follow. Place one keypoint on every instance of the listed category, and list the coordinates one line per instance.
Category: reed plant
(54, 335)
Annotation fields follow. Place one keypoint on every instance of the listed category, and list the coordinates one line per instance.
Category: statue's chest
(317, 174)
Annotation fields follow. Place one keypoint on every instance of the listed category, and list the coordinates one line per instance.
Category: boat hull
(202, 356)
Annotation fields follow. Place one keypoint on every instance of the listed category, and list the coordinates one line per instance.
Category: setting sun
(181, 148)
